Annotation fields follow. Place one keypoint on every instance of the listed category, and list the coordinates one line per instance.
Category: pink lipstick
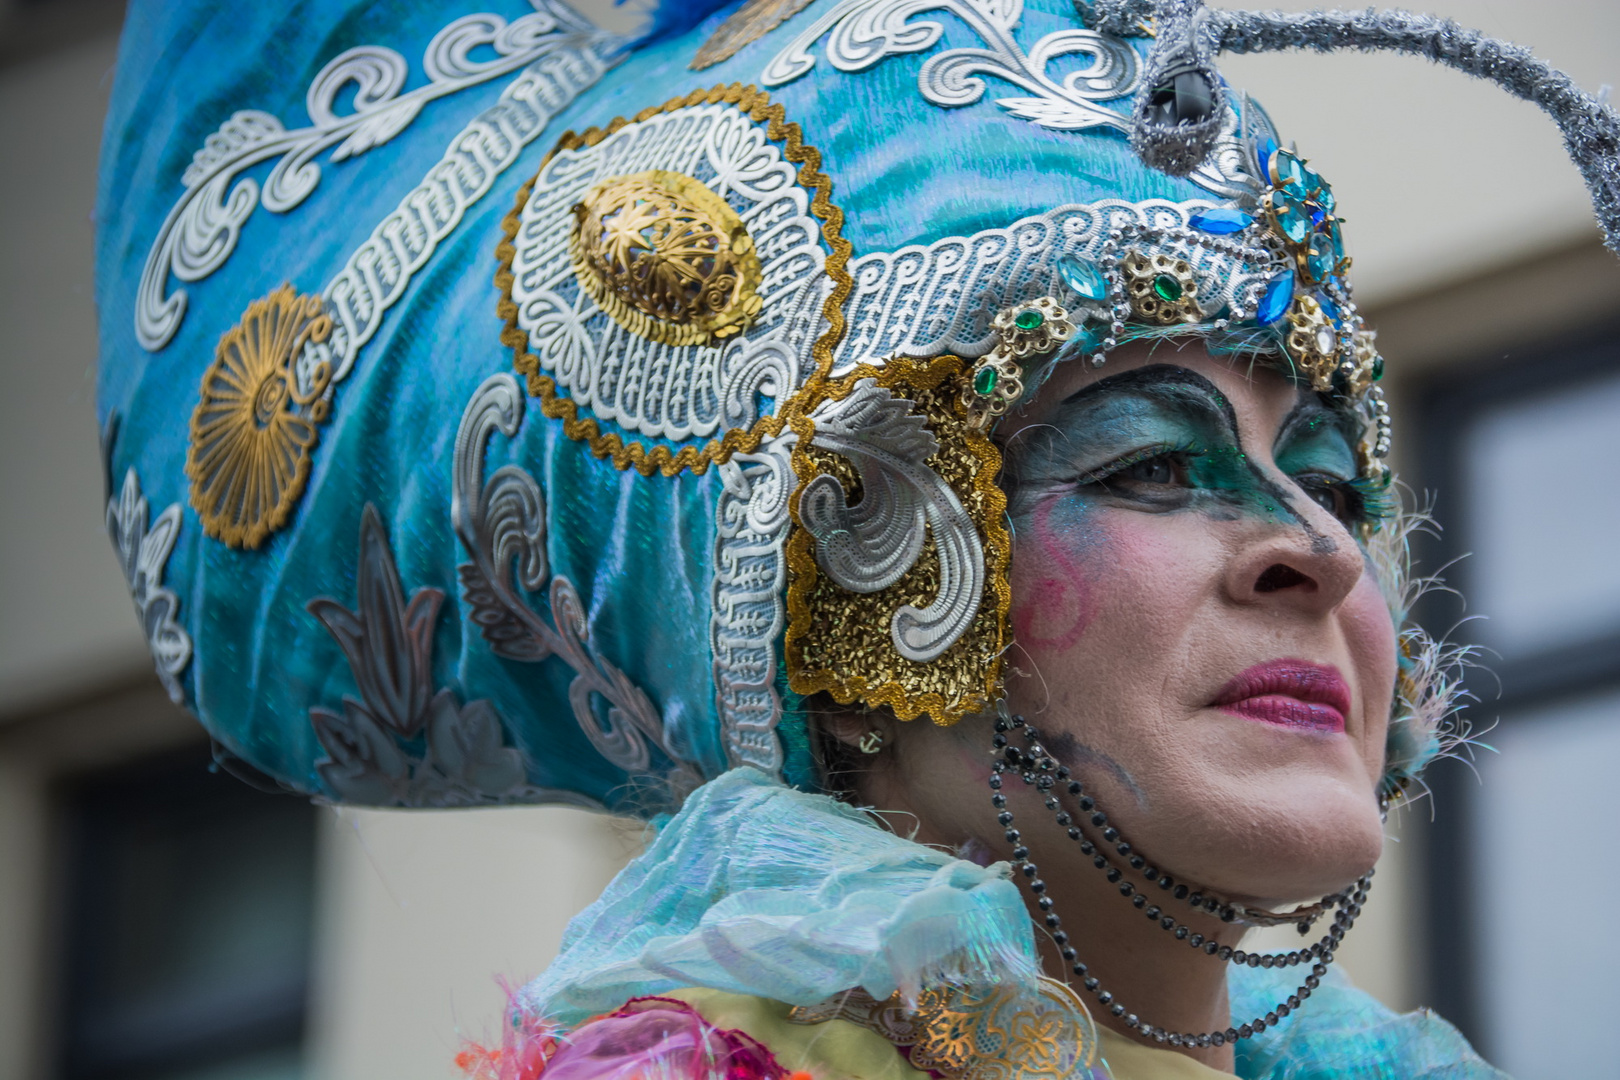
(1288, 693)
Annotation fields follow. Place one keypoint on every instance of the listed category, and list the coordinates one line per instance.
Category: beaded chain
(1036, 767)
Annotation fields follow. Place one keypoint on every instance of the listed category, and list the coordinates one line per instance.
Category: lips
(1289, 693)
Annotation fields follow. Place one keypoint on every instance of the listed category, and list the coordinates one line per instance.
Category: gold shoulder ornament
(994, 1033)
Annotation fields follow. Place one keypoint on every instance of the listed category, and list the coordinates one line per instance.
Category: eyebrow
(1167, 382)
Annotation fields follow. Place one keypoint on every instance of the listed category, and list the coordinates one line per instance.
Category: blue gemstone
(1319, 260)
(1083, 277)
(1318, 215)
(1275, 300)
(1221, 221)
(1287, 170)
(1324, 195)
(1292, 221)
(1262, 154)
(1329, 308)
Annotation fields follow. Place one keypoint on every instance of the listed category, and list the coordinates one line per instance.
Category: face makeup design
(1192, 606)
(1163, 438)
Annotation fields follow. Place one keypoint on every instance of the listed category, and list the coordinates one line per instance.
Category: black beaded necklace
(1036, 767)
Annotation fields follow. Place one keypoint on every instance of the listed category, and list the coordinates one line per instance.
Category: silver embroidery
(868, 546)
(201, 231)
(924, 300)
(1228, 171)
(862, 32)
(750, 575)
(143, 553)
(674, 392)
(502, 524)
(464, 760)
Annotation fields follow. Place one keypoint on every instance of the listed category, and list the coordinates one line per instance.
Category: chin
(1291, 838)
(1286, 849)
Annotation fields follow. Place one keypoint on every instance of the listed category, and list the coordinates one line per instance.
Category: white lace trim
(672, 392)
(925, 300)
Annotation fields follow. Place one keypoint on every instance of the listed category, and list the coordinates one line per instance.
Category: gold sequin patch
(996, 1033)
(840, 641)
(254, 428)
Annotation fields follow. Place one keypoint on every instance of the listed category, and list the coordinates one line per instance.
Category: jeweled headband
(720, 433)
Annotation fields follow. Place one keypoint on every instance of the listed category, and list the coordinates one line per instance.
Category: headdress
(545, 418)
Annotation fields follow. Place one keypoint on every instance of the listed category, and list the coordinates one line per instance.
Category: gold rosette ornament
(1162, 289)
(1313, 342)
(254, 428)
(666, 258)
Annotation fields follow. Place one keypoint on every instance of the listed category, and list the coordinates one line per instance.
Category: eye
(1331, 494)
(1146, 469)
(1163, 469)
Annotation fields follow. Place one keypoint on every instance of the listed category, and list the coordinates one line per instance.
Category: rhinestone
(1083, 277)
(1167, 288)
(1274, 301)
(1029, 319)
(984, 381)
(1221, 221)
(1326, 340)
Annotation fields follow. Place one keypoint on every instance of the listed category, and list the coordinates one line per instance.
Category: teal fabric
(640, 550)
(757, 889)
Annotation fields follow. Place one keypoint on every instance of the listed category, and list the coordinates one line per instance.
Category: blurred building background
(163, 921)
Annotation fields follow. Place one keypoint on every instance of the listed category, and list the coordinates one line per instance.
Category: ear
(850, 727)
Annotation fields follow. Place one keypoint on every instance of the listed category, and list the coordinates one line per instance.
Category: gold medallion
(253, 429)
(666, 258)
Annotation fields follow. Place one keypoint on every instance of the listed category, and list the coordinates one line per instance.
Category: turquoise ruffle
(756, 888)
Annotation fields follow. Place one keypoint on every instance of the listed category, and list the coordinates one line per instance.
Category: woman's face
(1196, 626)
(1196, 629)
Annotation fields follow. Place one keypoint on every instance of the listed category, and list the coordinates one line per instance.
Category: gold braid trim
(660, 458)
(839, 641)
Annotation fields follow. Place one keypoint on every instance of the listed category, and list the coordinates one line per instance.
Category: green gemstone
(1167, 288)
(1029, 319)
(1378, 368)
(984, 381)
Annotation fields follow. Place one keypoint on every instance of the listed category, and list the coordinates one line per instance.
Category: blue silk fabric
(639, 549)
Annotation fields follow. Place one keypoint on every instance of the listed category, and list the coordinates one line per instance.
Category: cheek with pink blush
(1052, 601)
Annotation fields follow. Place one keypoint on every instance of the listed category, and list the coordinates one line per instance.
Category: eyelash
(1367, 501)
(1183, 451)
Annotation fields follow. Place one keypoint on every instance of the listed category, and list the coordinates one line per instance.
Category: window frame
(1504, 690)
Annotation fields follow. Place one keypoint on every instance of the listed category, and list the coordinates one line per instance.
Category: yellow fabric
(840, 1050)
(835, 1050)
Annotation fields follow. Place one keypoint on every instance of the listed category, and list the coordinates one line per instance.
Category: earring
(871, 742)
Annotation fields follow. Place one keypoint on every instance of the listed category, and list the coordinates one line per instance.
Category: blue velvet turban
(498, 410)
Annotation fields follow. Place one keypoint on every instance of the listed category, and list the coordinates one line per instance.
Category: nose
(1303, 559)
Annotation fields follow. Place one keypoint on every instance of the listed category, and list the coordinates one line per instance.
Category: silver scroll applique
(143, 553)
(870, 545)
(403, 743)
(501, 522)
(562, 53)
(861, 32)
(750, 577)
